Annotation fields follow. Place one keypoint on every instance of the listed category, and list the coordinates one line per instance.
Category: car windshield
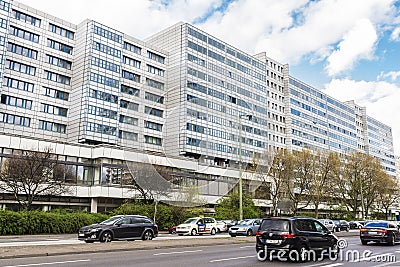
(111, 220)
(190, 220)
(275, 225)
(245, 222)
(377, 224)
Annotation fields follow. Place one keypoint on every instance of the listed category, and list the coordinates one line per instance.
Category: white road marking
(248, 247)
(317, 264)
(236, 258)
(333, 265)
(177, 252)
(47, 263)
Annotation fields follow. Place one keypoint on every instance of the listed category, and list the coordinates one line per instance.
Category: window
(107, 49)
(129, 105)
(107, 34)
(105, 64)
(52, 126)
(23, 51)
(25, 18)
(197, 47)
(155, 70)
(3, 23)
(59, 62)
(132, 62)
(4, 5)
(20, 67)
(152, 140)
(153, 111)
(131, 76)
(155, 84)
(59, 46)
(24, 34)
(61, 31)
(102, 112)
(153, 125)
(18, 84)
(129, 90)
(128, 120)
(15, 119)
(104, 80)
(58, 78)
(50, 109)
(16, 102)
(155, 57)
(128, 135)
(54, 93)
(197, 34)
(135, 49)
(154, 98)
(103, 96)
(100, 128)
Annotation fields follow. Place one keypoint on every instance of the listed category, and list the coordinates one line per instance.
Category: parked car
(120, 227)
(172, 230)
(342, 225)
(355, 225)
(293, 238)
(246, 227)
(197, 225)
(222, 226)
(380, 232)
(329, 224)
(230, 223)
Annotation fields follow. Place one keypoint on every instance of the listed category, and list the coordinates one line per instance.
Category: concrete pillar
(93, 205)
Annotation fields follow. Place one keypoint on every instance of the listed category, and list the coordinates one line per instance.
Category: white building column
(93, 205)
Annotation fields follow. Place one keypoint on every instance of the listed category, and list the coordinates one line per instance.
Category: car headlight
(188, 227)
(95, 230)
(243, 229)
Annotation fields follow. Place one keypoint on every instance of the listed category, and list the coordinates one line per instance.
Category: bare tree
(31, 174)
(388, 193)
(325, 172)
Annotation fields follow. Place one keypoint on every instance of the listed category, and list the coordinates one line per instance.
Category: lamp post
(248, 116)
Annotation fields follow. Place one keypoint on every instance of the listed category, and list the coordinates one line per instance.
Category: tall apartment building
(182, 99)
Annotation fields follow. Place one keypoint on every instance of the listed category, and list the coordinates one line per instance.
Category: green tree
(228, 207)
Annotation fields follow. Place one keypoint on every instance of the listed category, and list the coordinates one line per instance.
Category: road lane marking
(248, 246)
(47, 263)
(177, 252)
(236, 258)
(319, 264)
(333, 265)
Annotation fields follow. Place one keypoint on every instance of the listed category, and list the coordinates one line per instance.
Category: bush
(41, 222)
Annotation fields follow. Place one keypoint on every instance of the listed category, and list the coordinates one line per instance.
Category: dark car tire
(249, 232)
(106, 236)
(193, 232)
(173, 232)
(334, 251)
(364, 242)
(213, 231)
(392, 240)
(147, 235)
(89, 241)
(299, 255)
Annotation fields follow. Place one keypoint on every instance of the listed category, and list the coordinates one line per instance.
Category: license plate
(271, 241)
(372, 232)
(81, 234)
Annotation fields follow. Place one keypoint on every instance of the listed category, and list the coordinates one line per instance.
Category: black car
(120, 227)
(342, 225)
(381, 232)
(296, 239)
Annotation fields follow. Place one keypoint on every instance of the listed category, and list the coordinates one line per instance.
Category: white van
(197, 225)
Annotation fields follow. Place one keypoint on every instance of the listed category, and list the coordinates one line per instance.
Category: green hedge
(40, 222)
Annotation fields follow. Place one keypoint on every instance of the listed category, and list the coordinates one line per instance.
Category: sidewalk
(82, 248)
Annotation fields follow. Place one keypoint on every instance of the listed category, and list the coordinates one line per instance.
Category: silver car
(329, 224)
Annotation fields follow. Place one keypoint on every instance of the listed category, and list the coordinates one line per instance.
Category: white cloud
(395, 36)
(392, 75)
(358, 43)
(380, 98)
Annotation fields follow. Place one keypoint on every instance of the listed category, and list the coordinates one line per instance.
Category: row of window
(103, 96)
(153, 111)
(20, 67)
(129, 90)
(61, 31)
(105, 64)
(59, 46)
(15, 119)
(133, 48)
(58, 78)
(16, 101)
(4, 5)
(127, 135)
(59, 62)
(156, 57)
(129, 105)
(50, 109)
(58, 94)
(100, 128)
(132, 62)
(154, 98)
(152, 140)
(52, 126)
(102, 112)
(107, 34)
(21, 50)
(107, 49)
(25, 18)
(18, 84)
(131, 76)
(155, 70)
(153, 126)
(128, 120)
(95, 77)
(155, 84)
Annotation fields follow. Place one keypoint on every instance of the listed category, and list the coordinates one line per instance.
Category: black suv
(120, 227)
(296, 239)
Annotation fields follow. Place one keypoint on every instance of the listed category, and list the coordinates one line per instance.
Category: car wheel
(193, 232)
(147, 235)
(173, 231)
(299, 255)
(89, 241)
(213, 231)
(347, 229)
(334, 251)
(106, 236)
(392, 240)
(249, 232)
(218, 231)
(364, 242)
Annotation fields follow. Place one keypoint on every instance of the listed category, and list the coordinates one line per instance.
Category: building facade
(182, 99)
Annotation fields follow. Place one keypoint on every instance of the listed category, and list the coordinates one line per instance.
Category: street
(217, 255)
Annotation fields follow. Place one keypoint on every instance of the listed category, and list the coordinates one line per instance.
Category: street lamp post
(240, 166)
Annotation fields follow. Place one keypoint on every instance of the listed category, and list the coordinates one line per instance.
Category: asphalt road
(217, 255)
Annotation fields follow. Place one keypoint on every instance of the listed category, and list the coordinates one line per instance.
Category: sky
(350, 49)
